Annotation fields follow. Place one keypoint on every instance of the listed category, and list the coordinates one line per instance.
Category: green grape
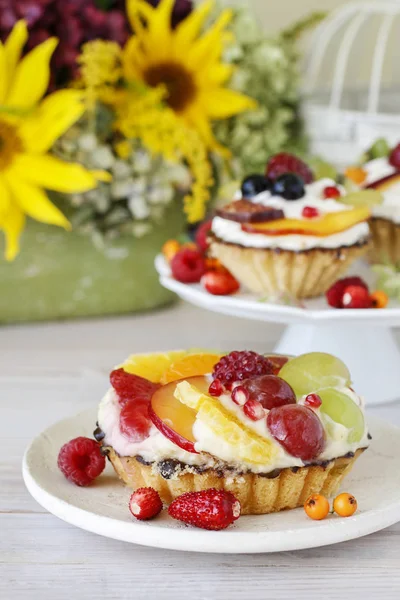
(362, 198)
(322, 169)
(379, 149)
(341, 409)
(311, 372)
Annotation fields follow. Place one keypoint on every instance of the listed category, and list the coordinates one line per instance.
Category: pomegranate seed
(331, 191)
(216, 388)
(254, 410)
(240, 395)
(310, 212)
(313, 400)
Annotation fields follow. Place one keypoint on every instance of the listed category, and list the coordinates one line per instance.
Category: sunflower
(28, 129)
(185, 61)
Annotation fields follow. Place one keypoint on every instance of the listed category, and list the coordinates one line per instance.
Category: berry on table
(188, 265)
(170, 248)
(331, 191)
(345, 505)
(145, 503)
(81, 461)
(394, 157)
(316, 507)
(335, 293)
(220, 283)
(356, 296)
(254, 410)
(379, 299)
(289, 185)
(310, 212)
(298, 429)
(255, 184)
(209, 509)
(313, 400)
(201, 235)
(288, 163)
(239, 365)
(129, 386)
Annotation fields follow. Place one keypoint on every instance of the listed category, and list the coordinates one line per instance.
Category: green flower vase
(63, 275)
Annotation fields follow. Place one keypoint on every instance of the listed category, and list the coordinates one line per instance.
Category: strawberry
(335, 293)
(129, 386)
(220, 283)
(145, 503)
(201, 235)
(134, 420)
(356, 296)
(210, 509)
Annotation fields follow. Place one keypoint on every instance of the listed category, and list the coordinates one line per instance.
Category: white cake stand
(362, 338)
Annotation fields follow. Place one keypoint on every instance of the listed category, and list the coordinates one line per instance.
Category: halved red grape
(270, 391)
(298, 429)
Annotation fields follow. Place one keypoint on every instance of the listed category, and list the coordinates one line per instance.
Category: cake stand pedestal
(362, 338)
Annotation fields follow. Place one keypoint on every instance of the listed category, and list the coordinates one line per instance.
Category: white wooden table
(44, 375)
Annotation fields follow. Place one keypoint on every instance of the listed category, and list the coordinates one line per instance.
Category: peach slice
(385, 183)
(328, 224)
(172, 418)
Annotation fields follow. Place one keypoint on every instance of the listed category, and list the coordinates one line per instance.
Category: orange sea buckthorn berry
(356, 174)
(379, 299)
(345, 505)
(170, 248)
(316, 507)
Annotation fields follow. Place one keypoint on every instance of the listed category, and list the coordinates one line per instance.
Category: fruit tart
(289, 234)
(269, 429)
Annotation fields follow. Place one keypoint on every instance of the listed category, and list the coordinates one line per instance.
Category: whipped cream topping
(214, 449)
(390, 208)
(231, 232)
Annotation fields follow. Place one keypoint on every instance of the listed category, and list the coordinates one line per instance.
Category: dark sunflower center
(179, 83)
(10, 144)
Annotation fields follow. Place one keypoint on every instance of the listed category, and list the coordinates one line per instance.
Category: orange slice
(190, 366)
(328, 224)
(152, 366)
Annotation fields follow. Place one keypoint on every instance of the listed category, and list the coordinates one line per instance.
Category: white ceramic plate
(103, 507)
(248, 306)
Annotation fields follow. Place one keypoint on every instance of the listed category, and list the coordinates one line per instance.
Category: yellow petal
(217, 74)
(199, 121)
(34, 202)
(5, 198)
(52, 173)
(3, 74)
(188, 29)
(32, 76)
(209, 46)
(56, 114)
(103, 176)
(12, 224)
(14, 45)
(221, 103)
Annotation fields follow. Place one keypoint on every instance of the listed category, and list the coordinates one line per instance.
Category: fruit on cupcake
(313, 371)
(379, 149)
(343, 410)
(298, 429)
(249, 446)
(345, 505)
(335, 293)
(201, 235)
(81, 461)
(331, 191)
(368, 197)
(385, 183)
(188, 265)
(239, 365)
(219, 283)
(152, 366)
(327, 224)
(190, 365)
(288, 163)
(245, 211)
(255, 184)
(394, 157)
(269, 391)
(289, 185)
(356, 296)
(316, 507)
(129, 386)
(310, 212)
(356, 174)
(145, 503)
(134, 420)
(313, 401)
(209, 509)
(254, 410)
(277, 360)
(174, 419)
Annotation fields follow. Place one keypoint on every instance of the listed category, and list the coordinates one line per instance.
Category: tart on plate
(269, 429)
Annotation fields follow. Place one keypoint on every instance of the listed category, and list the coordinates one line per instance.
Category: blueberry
(290, 186)
(255, 184)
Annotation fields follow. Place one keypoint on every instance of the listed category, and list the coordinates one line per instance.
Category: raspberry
(356, 296)
(288, 163)
(145, 503)
(201, 235)
(188, 266)
(210, 509)
(394, 157)
(310, 212)
(134, 420)
(81, 460)
(237, 366)
(335, 293)
(129, 386)
(254, 410)
(220, 283)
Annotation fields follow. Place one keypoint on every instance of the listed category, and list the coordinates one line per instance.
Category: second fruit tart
(270, 430)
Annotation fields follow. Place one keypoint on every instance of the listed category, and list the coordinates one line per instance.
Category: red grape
(298, 429)
(270, 391)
